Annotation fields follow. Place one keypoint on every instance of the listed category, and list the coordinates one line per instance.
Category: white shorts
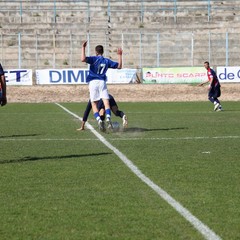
(98, 90)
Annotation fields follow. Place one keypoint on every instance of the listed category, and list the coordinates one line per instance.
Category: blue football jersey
(98, 67)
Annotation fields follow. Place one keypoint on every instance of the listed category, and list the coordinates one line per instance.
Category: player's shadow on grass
(29, 159)
(230, 110)
(136, 129)
(19, 135)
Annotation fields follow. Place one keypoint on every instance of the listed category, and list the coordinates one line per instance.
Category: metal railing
(37, 51)
(208, 8)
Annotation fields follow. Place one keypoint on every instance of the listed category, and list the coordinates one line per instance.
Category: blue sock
(97, 116)
(108, 113)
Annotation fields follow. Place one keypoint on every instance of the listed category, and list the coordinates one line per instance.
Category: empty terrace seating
(49, 33)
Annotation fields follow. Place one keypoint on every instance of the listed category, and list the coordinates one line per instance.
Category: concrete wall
(51, 35)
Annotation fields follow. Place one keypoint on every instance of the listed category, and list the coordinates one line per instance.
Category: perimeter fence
(38, 51)
(88, 8)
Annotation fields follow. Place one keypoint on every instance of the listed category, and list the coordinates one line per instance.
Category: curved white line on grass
(201, 227)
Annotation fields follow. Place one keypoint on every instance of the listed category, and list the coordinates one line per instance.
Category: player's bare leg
(108, 113)
(101, 124)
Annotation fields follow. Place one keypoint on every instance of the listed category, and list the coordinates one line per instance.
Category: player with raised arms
(97, 81)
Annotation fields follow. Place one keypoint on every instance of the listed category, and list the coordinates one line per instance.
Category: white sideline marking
(178, 138)
(46, 139)
(201, 227)
(115, 139)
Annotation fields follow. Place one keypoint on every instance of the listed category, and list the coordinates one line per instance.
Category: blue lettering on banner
(71, 76)
(68, 76)
(58, 77)
(228, 76)
(17, 74)
(64, 76)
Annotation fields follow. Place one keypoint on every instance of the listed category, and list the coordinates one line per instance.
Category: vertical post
(209, 46)
(142, 11)
(106, 49)
(88, 10)
(55, 12)
(175, 11)
(192, 50)
(19, 50)
(109, 11)
(209, 10)
(140, 51)
(2, 47)
(71, 50)
(227, 49)
(36, 55)
(54, 49)
(158, 50)
(21, 11)
(88, 45)
(122, 49)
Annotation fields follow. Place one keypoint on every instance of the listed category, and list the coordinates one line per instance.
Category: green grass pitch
(59, 183)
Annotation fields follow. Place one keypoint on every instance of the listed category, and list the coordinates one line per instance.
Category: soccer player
(3, 90)
(214, 89)
(97, 81)
(101, 109)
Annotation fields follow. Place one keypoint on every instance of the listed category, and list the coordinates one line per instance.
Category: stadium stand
(44, 34)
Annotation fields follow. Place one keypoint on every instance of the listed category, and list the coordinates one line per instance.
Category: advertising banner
(174, 75)
(18, 76)
(61, 76)
(78, 76)
(228, 74)
(121, 75)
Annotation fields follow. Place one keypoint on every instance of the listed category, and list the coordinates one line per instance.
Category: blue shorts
(214, 92)
(112, 103)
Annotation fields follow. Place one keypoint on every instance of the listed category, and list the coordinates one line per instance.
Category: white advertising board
(61, 76)
(174, 75)
(18, 76)
(228, 74)
(78, 76)
(121, 75)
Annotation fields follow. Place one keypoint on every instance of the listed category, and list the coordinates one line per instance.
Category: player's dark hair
(206, 62)
(99, 49)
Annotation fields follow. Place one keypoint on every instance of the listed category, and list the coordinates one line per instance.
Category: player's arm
(119, 52)
(203, 83)
(210, 81)
(83, 55)
(82, 126)
(3, 100)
